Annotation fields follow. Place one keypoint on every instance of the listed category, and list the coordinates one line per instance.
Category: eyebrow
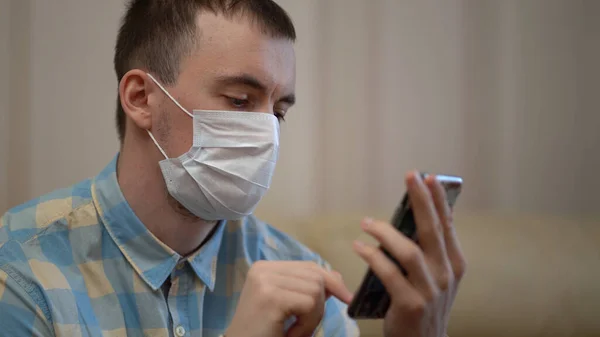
(253, 82)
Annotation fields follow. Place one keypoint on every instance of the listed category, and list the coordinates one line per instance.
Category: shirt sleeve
(19, 313)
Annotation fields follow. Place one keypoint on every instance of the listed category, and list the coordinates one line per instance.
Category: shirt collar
(152, 260)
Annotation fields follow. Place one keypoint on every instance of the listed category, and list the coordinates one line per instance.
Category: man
(162, 242)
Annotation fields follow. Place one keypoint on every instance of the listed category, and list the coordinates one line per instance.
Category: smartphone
(372, 301)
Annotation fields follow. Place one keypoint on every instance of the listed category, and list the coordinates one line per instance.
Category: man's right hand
(277, 290)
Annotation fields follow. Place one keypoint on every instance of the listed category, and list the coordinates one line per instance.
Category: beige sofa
(527, 275)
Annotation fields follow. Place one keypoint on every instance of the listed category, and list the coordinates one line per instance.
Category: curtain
(503, 93)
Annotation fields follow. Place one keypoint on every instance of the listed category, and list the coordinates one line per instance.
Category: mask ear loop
(174, 101)
(169, 95)
(156, 143)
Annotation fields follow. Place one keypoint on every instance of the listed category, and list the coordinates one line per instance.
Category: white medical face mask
(230, 165)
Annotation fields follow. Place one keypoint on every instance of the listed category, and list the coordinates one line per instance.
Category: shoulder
(18, 277)
(269, 243)
(60, 229)
(68, 205)
(42, 243)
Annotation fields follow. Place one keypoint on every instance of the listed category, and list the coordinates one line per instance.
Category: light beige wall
(72, 90)
(4, 104)
(589, 138)
(550, 113)
(20, 144)
(529, 104)
(501, 92)
(415, 106)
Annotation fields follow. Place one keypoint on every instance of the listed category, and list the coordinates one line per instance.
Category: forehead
(234, 46)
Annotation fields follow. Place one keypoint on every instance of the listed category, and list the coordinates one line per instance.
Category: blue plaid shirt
(78, 262)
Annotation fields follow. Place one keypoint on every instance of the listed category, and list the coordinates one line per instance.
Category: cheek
(162, 126)
(176, 131)
(182, 136)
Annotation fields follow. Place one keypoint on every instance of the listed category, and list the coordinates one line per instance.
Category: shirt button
(179, 266)
(180, 331)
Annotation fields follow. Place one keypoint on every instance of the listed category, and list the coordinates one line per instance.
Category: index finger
(333, 283)
(335, 286)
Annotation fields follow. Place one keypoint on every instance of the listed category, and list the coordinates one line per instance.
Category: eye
(239, 103)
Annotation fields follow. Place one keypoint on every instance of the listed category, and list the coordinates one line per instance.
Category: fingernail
(366, 223)
(414, 180)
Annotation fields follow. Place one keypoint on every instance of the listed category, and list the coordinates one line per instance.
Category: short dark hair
(156, 34)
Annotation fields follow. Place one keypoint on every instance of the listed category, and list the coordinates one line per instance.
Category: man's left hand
(421, 300)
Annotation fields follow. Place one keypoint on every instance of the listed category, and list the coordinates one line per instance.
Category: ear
(135, 91)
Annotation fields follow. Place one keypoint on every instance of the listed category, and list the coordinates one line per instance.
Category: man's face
(235, 67)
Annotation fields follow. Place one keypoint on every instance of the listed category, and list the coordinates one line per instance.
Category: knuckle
(257, 267)
(315, 278)
(253, 275)
(260, 284)
(311, 265)
(445, 280)
(316, 275)
(431, 296)
(310, 304)
(460, 269)
(417, 308)
(265, 292)
(263, 286)
(320, 280)
(257, 275)
(317, 291)
(260, 264)
(414, 256)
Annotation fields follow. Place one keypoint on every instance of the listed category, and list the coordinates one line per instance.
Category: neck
(143, 187)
